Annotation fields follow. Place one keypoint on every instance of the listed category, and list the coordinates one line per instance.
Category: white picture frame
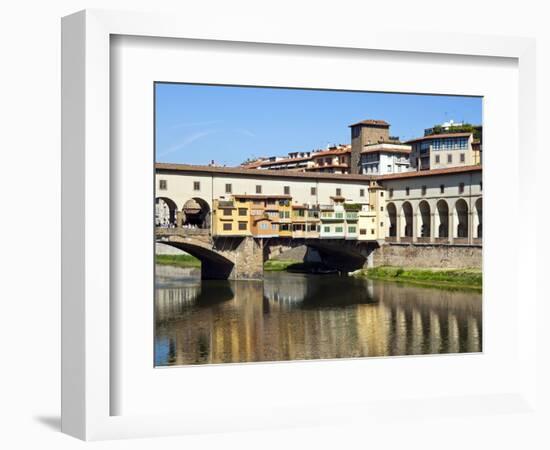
(88, 386)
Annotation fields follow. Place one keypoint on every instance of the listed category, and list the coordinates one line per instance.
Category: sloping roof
(380, 123)
(326, 166)
(169, 167)
(274, 163)
(387, 148)
(427, 173)
(261, 196)
(440, 136)
(336, 151)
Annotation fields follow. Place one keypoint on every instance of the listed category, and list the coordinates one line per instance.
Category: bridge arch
(214, 265)
(424, 219)
(407, 222)
(165, 212)
(392, 219)
(196, 213)
(461, 215)
(442, 219)
(478, 218)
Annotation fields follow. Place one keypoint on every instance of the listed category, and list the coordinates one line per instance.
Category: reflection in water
(297, 316)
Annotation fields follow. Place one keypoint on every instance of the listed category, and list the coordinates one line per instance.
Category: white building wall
(180, 187)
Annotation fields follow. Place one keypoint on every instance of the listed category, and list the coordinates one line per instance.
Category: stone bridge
(241, 258)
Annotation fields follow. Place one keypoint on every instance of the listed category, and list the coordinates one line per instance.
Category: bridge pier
(247, 257)
(242, 257)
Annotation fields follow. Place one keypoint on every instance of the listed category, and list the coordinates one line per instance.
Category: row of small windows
(351, 230)
(229, 226)
(450, 144)
(163, 185)
(450, 158)
(424, 188)
(228, 189)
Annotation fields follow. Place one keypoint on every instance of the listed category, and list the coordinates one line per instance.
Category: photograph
(296, 224)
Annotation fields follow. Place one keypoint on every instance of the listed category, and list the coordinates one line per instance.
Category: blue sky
(197, 123)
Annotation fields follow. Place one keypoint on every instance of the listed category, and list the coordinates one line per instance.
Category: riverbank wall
(428, 256)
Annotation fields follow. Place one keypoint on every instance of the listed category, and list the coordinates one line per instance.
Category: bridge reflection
(291, 316)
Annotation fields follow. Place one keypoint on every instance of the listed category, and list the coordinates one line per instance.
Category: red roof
(274, 163)
(380, 123)
(336, 151)
(387, 150)
(427, 173)
(326, 166)
(261, 197)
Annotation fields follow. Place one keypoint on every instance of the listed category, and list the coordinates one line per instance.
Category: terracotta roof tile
(382, 123)
(427, 173)
(439, 136)
(168, 167)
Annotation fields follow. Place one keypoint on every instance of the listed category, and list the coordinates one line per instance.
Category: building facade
(433, 206)
(382, 159)
(442, 206)
(440, 151)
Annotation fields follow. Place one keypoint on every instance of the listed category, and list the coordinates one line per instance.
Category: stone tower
(364, 133)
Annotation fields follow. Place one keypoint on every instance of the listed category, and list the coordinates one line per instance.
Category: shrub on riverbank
(278, 265)
(178, 260)
(453, 278)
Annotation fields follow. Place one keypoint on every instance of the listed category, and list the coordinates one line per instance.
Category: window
(381, 193)
(338, 192)
(258, 189)
(437, 159)
(449, 158)
(242, 211)
(286, 190)
(461, 188)
(362, 231)
(462, 157)
(339, 229)
(227, 212)
(339, 215)
(326, 229)
(361, 192)
(391, 192)
(381, 224)
(441, 188)
(424, 190)
(196, 185)
(372, 231)
(389, 168)
(242, 226)
(313, 191)
(407, 191)
(162, 185)
(228, 188)
(352, 230)
(381, 208)
(264, 226)
(227, 226)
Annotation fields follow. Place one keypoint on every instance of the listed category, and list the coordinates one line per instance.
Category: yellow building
(253, 215)
(231, 217)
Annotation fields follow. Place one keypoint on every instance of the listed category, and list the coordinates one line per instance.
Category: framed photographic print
(268, 229)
